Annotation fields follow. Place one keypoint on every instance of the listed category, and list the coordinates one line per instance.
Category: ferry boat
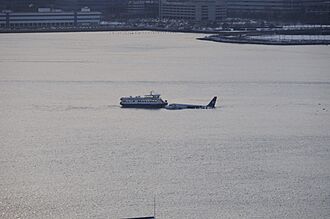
(147, 101)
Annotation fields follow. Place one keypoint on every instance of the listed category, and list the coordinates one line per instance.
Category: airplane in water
(176, 106)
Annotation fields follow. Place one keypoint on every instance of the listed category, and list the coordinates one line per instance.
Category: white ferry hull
(147, 101)
(146, 106)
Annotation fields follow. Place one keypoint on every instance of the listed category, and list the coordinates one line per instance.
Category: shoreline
(102, 29)
(318, 31)
(245, 40)
(223, 36)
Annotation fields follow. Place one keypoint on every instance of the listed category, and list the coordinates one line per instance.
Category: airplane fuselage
(184, 106)
(176, 106)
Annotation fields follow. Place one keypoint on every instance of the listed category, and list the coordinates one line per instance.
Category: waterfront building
(24, 5)
(107, 7)
(275, 8)
(194, 10)
(46, 17)
(143, 8)
(3, 19)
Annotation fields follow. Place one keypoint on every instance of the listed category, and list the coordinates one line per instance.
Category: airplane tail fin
(212, 103)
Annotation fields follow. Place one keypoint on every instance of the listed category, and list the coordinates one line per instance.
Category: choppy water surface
(69, 151)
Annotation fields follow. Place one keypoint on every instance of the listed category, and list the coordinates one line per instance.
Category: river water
(69, 151)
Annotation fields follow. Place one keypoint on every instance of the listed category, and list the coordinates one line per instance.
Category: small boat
(148, 217)
(151, 100)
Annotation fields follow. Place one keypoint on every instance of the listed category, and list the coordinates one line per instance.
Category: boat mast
(154, 206)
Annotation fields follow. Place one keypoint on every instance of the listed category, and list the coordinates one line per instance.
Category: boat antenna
(154, 206)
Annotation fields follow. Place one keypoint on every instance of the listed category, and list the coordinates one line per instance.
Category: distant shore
(103, 29)
(266, 40)
(263, 37)
(224, 32)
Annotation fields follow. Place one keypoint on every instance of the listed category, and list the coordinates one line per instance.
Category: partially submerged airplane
(176, 106)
